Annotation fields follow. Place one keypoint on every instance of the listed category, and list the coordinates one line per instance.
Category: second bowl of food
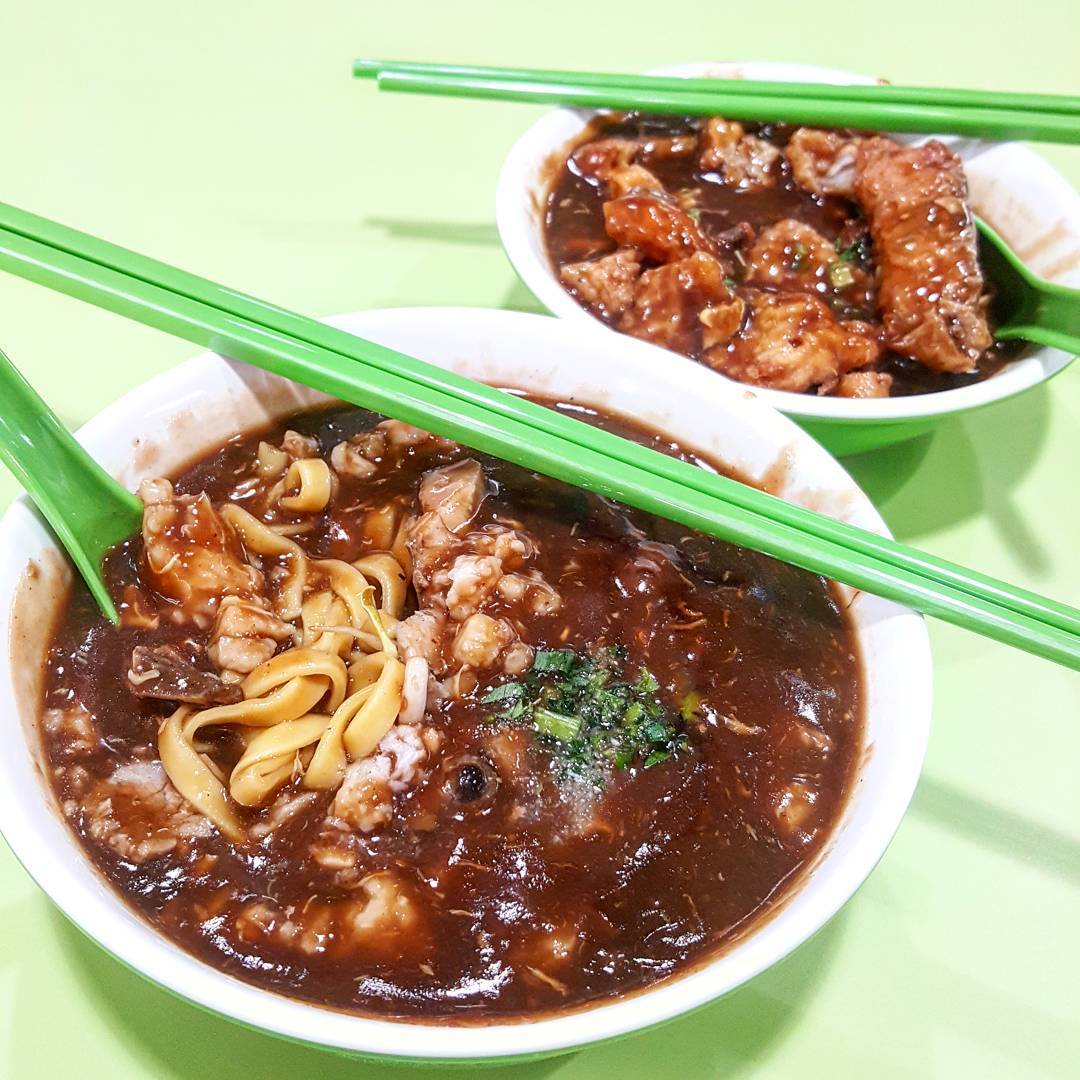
(836, 273)
(409, 752)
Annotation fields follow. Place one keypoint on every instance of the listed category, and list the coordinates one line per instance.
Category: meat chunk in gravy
(681, 304)
(823, 162)
(864, 384)
(606, 285)
(794, 342)
(245, 635)
(471, 583)
(657, 227)
(138, 813)
(380, 916)
(930, 288)
(192, 556)
(793, 255)
(163, 672)
(365, 454)
(613, 163)
(743, 161)
(619, 165)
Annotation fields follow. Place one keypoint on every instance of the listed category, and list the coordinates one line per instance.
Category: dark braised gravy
(526, 888)
(726, 218)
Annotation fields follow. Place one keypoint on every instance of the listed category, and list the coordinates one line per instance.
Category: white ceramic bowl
(1029, 203)
(162, 425)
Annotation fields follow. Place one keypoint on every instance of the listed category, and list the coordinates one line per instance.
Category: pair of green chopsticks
(925, 110)
(506, 426)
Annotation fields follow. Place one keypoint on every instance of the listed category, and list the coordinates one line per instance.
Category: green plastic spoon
(87, 509)
(1028, 307)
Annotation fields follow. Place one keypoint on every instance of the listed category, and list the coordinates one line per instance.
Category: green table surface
(228, 138)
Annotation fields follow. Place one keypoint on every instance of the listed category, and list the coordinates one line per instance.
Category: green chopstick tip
(365, 69)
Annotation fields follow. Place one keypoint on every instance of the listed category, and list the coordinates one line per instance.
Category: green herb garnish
(859, 252)
(506, 692)
(554, 660)
(799, 253)
(557, 725)
(589, 713)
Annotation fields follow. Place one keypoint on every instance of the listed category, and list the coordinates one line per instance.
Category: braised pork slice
(930, 289)
(164, 672)
(660, 229)
(620, 164)
(791, 254)
(679, 305)
(742, 161)
(794, 342)
(823, 162)
(193, 557)
(606, 285)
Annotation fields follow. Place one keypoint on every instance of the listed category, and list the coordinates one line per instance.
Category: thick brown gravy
(522, 887)
(727, 215)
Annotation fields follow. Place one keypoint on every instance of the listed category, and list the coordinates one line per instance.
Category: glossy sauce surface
(574, 230)
(537, 892)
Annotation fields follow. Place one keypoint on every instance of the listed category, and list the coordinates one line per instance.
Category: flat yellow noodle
(315, 483)
(270, 758)
(374, 712)
(259, 538)
(400, 549)
(281, 690)
(193, 777)
(386, 572)
(270, 460)
(365, 670)
(308, 663)
(320, 610)
(357, 726)
(359, 597)
(306, 704)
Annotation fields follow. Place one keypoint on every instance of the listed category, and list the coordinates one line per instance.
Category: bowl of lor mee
(836, 272)
(406, 751)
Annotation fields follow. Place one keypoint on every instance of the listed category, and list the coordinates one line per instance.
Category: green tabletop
(228, 138)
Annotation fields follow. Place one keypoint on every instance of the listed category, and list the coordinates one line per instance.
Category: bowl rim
(101, 912)
(551, 133)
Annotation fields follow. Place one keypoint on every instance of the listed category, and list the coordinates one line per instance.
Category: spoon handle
(1053, 319)
(87, 509)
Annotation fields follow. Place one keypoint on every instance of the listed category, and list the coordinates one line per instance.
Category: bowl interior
(1029, 203)
(167, 422)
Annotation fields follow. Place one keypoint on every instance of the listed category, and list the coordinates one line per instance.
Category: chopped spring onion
(593, 714)
(557, 725)
(554, 660)
(841, 275)
(506, 692)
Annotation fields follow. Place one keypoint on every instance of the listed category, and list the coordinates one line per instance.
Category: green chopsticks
(877, 92)
(923, 110)
(527, 434)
